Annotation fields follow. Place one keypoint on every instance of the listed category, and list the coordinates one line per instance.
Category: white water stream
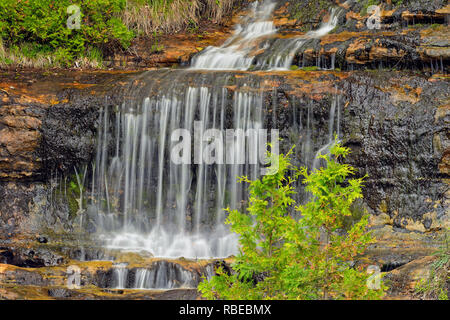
(145, 201)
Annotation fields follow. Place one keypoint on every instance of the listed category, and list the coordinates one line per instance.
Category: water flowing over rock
(144, 199)
(87, 160)
(283, 51)
(236, 52)
(253, 44)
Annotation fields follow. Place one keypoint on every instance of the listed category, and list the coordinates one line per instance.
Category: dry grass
(16, 58)
(217, 12)
(149, 16)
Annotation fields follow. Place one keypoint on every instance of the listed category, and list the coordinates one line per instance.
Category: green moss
(308, 12)
(312, 68)
(366, 4)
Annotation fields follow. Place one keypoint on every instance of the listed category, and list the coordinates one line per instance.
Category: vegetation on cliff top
(309, 258)
(35, 33)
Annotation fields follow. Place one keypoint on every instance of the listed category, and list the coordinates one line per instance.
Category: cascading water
(173, 209)
(160, 275)
(146, 199)
(165, 275)
(284, 50)
(236, 52)
(242, 50)
(325, 149)
(120, 275)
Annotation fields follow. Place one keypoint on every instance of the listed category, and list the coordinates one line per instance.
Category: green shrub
(310, 258)
(44, 23)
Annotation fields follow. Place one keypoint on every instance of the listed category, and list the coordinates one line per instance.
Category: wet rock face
(395, 123)
(48, 126)
(48, 121)
(23, 277)
(68, 134)
(21, 203)
(97, 280)
(393, 136)
(30, 258)
(20, 140)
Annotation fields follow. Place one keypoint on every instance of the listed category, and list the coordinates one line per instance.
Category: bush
(44, 22)
(106, 25)
(312, 258)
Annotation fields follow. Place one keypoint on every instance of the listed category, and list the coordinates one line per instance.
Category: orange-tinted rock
(19, 141)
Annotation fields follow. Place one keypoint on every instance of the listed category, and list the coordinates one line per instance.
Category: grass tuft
(168, 16)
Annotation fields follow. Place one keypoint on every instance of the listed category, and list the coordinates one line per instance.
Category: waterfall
(164, 275)
(160, 275)
(331, 132)
(284, 50)
(145, 200)
(120, 275)
(241, 50)
(235, 53)
(155, 188)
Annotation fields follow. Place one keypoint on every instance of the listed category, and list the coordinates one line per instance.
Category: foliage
(310, 258)
(44, 24)
(40, 27)
(367, 3)
(436, 285)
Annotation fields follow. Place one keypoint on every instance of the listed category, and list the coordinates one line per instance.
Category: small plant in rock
(436, 285)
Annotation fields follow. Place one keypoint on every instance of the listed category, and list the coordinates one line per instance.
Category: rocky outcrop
(395, 123)
(54, 284)
(410, 35)
(99, 279)
(48, 125)
(402, 156)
